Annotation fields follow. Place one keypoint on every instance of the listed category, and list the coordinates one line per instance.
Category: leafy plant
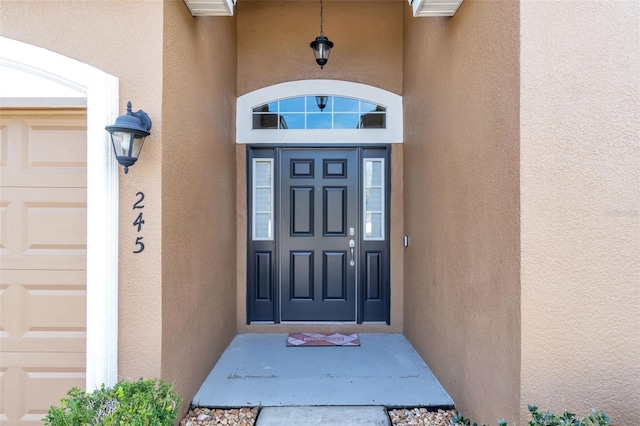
(596, 418)
(144, 402)
(460, 420)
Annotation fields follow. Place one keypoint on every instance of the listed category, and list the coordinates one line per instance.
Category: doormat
(319, 339)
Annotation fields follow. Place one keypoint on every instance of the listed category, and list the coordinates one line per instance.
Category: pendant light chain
(321, 19)
(321, 45)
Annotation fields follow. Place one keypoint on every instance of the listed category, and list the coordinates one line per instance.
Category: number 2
(137, 204)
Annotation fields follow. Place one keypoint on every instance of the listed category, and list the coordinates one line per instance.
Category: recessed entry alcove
(318, 158)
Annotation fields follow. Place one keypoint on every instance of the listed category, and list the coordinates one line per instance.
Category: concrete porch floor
(260, 370)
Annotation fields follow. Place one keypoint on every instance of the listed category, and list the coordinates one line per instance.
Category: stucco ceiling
(421, 8)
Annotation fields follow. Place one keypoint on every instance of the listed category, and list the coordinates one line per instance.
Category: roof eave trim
(427, 8)
(210, 7)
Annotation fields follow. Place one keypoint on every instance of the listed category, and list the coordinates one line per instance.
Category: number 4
(138, 222)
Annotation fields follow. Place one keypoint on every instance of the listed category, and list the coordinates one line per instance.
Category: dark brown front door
(318, 219)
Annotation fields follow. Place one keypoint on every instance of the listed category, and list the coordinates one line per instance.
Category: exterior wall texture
(85, 31)
(580, 175)
(274, 37)
(517, 183)
(198, 193)
(461, 209)
(177, 297)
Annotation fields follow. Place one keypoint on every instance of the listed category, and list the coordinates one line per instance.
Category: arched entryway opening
(44, 80)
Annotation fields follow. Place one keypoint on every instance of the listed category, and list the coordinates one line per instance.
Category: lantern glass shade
(127, 147)
(321, 101)
(321, 47)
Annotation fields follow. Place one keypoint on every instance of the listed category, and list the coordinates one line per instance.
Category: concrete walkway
(320, 416)
(259, 370)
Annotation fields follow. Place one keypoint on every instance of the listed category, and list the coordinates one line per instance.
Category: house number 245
(139, 222)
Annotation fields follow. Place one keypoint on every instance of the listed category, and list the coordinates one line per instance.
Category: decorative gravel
(420, 416)
(247, 416)
(235, 417)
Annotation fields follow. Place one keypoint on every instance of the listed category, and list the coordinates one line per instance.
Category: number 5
(139, 243)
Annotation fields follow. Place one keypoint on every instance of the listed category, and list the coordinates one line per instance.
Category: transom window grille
(262, 199)
(373, 194)
(305, 112)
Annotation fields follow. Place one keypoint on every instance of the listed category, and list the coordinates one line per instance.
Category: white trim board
(245, 134)
(71, 102)
(66, 75)
(427, 8)
(210, 7)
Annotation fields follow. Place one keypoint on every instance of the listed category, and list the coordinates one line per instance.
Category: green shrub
(596, 418)
(141, 403)
(460, 420)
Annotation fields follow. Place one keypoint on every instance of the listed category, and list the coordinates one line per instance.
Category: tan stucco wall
(177, 298)
(274, 37)
(461, 192)
(84, 30)
(580, 181)
(198, 194)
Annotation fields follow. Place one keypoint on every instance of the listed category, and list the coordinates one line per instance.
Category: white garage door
(43, 259)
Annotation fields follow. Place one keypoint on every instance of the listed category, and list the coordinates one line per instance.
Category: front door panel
(318, 206)
(318, 246)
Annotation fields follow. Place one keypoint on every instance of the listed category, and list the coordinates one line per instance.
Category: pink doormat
(319, 339)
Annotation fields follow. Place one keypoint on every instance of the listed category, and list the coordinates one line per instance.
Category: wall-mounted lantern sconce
(127, 136)
(321, 45)
(322, 102)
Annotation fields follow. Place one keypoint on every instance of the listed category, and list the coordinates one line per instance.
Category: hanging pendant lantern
(321, 101)
(321, 45)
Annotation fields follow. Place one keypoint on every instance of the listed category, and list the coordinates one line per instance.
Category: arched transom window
(319, 111)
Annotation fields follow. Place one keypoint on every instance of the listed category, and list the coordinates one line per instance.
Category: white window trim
(101, 91)
(245, 134)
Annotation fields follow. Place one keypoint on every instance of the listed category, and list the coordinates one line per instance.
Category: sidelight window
(373, 198)
(262, 199)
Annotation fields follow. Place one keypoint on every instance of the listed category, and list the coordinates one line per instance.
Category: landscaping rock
(247, 417)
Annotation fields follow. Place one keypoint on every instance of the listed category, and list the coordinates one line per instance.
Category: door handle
(352, 246)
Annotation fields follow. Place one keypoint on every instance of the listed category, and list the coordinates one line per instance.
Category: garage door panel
(6, 398)
(43, 310)
(70, 263)
(44, 148)
(48, 228)
(43, 247)
(60, 148)
(55, 227)
(5, 313)
(33, 382)
(4, 227)
(4, 142)
(74, 342)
